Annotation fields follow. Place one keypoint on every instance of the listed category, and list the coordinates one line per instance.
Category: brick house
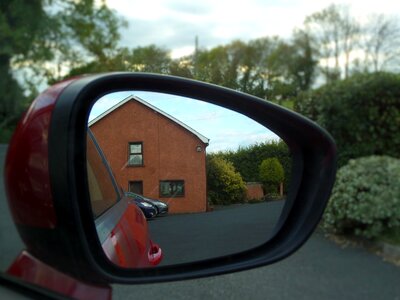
(154, 154)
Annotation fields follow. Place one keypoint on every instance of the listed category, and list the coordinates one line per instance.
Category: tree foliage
(362, 113)
(347, 46)
(18, 30)
(40, 40)
(271, 174)
(71, 37)
(366, 198)
(224, 183)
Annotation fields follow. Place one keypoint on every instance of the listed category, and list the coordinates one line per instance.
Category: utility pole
(196, 50)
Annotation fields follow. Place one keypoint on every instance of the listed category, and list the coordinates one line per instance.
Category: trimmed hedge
(362, 113)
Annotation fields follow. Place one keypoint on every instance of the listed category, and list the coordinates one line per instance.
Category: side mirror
(59, 205)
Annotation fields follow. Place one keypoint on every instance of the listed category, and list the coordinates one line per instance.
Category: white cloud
(175, 23)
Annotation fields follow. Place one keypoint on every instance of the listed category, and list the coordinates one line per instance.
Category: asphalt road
(226, 230)
(319, 270)
(10, 242)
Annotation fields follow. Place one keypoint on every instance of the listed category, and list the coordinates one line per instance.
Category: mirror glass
(175, 180)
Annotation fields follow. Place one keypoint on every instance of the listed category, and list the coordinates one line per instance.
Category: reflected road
(226, 230)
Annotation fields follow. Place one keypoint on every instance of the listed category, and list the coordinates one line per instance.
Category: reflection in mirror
(207, 181)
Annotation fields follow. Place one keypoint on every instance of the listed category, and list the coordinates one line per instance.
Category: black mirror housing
(71, 245)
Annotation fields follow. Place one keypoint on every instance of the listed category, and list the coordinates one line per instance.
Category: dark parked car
(148, 209)
(162, 208)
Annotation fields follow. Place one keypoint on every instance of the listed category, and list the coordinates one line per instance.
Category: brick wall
(254, 190)
(169, 153)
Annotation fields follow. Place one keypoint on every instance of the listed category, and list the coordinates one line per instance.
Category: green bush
(271, 175)
(362, 113)
(247, 160)
(365, 200)
(224, 184)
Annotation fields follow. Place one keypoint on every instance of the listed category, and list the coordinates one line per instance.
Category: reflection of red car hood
(129, 245)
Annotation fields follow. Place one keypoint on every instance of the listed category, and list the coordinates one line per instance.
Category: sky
(226, 129)
(174, 24)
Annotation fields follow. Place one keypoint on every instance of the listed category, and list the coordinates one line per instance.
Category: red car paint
(129, 245)
(27, 179)
(27, 183)
(34, 271)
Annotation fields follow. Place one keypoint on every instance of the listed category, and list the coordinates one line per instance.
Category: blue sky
(226, 129)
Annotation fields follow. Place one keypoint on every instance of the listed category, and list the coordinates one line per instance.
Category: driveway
(319, 270)
(227, 230)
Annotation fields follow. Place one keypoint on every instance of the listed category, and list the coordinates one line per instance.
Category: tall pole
(196, 50)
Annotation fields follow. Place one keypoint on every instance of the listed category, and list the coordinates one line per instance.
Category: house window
(135, 154)
(136, 187)
(172, 188)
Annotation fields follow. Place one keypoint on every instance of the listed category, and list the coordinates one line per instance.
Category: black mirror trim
(314, 168)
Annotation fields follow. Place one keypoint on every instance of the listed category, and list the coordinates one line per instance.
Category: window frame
(140, 153)
(172, 195)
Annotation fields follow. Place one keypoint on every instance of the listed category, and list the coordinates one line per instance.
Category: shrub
(224, 184)
(247, 160)
(271, 174)
(365, 200)
(362, 113)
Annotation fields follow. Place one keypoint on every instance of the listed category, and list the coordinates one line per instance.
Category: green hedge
(362, 113)
(365, 200)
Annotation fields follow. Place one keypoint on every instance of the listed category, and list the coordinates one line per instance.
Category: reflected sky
(226, 129)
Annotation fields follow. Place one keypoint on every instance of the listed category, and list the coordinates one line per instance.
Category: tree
(269, 67)
(224, 184)
(381, 42)
(41, 40)
(83, 33)
(350, 33)
(324, 26)
(302, 63)
(141, 59)
(293, 64)
(150, 59)
(271, 174)
(335, 33)
(18, 20)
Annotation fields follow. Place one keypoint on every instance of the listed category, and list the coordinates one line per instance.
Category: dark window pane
(136, 187)
(172, 188)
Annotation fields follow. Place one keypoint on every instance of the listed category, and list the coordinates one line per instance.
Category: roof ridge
(145, 103)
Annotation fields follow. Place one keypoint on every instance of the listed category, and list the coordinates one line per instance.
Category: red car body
(27, 182)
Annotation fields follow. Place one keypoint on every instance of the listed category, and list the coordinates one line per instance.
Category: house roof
(156, 109)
